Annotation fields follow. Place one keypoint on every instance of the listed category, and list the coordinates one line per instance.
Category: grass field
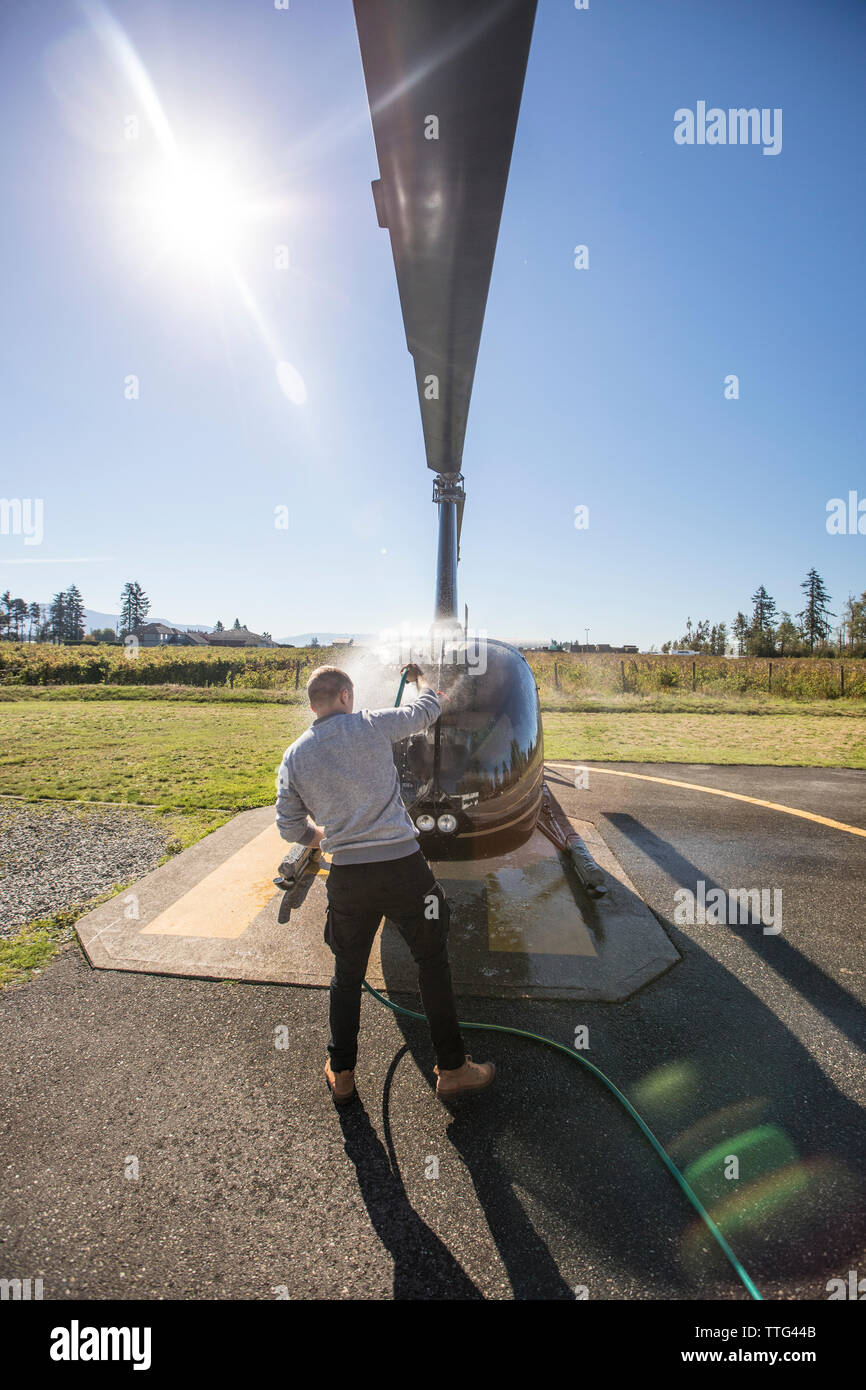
(158, 754)
(660, 702)
(223, 755)
(786, 740)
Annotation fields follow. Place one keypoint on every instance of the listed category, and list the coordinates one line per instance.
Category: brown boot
(341, 1084)
(472, 1076)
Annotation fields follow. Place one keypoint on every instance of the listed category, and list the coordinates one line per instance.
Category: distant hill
(93, 618)
(303, 639)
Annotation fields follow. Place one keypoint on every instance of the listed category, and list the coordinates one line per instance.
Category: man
(338, 788)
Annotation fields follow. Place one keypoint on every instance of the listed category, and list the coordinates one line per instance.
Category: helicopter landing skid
(590, 876)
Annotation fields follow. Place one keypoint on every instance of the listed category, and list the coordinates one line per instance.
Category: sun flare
(194, 210)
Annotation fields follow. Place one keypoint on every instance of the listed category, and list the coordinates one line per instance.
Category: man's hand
(414, 673)
(318, 837)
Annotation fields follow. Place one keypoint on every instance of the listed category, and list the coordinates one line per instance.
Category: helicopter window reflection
(489, 733)
(473, 746)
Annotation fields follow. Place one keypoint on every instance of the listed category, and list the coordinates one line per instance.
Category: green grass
(786, 740)
(188, 694)
(202, 758)
(166, 754)
(682, 702)
(31, 948)
(655, 702)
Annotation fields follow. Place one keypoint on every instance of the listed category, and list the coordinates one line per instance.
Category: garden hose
(742, 1274)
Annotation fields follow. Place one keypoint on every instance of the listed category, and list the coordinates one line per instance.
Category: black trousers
(405, 891)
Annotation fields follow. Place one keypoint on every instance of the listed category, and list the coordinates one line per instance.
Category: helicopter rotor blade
(444, 82)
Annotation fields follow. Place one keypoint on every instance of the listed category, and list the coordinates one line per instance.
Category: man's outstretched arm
(399, 723)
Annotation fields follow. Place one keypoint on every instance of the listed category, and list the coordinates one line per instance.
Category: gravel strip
(52, 857)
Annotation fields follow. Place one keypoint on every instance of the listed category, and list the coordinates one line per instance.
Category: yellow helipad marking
(717, 791)
(531, 910)
(228, 899)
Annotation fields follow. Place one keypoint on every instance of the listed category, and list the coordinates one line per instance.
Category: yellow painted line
(716, 791)
(227, 900)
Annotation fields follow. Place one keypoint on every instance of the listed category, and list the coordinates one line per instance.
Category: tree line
(63, 619)
(771, 632)
(768, 632)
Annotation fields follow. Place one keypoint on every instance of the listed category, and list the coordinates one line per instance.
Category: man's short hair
(325, 684)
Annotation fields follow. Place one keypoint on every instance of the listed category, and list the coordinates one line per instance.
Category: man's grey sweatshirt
(341, 774)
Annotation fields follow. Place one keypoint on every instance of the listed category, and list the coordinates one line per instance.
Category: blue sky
(602, 387)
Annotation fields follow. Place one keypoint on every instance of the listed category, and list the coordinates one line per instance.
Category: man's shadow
(715, 1074)
(424, 1268)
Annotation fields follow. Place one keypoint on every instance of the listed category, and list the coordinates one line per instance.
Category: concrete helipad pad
(520, 924)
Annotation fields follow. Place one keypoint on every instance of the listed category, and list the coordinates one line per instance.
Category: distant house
(239, 637)
(161, 635)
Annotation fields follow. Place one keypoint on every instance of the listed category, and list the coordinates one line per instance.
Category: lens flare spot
(291, 383)
(667, 1089)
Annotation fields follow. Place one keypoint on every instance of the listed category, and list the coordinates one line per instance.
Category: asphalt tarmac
(171, 1138)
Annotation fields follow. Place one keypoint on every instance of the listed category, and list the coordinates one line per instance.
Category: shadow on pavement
(424, 1268)
(772, 1148)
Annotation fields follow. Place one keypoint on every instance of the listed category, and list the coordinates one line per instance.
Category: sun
(194, 210)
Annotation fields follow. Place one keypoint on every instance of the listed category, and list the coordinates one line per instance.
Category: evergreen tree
(236, 624)
(57, 617)
(219, 627)
(817, 610)
(855, 622)
(74, 614)
(19, 617)
(761, 628)
(787, 638)
(740, 632)
(134, 607)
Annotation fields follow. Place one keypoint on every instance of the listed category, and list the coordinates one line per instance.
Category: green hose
(741, 1273)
